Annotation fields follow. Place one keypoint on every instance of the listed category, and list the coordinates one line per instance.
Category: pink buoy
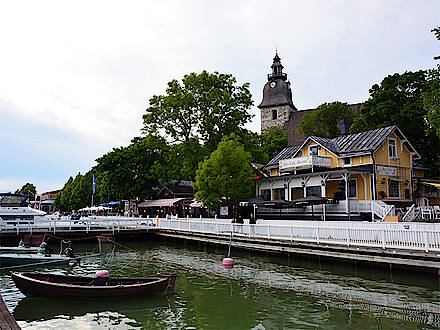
(228, 263)
(102, 273)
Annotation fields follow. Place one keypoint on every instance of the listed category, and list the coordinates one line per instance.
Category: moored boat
(62, 286)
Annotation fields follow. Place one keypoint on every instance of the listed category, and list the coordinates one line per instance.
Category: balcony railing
(304, 162)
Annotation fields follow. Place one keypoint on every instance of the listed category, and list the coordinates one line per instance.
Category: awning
(434, 184)
(161, 202)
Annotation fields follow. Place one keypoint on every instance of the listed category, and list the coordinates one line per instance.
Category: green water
(210, 302)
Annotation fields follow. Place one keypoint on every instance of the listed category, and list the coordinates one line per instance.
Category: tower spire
(277, 69)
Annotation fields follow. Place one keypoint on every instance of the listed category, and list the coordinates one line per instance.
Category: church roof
(279, 95)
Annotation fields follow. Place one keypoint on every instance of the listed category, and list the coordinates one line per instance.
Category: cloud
(76, 77)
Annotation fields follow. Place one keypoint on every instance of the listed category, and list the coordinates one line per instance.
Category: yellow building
(375, 165)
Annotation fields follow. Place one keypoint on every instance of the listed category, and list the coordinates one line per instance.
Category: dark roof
(281, 94)
(363, 141)
(345, 145)
(286, 153)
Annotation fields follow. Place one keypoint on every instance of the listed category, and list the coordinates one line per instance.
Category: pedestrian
(252, 223)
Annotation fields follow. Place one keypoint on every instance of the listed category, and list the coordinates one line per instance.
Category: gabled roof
(348, 145)
(286, 153)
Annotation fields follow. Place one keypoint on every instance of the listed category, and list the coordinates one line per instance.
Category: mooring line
(47, 262)
(305, 293)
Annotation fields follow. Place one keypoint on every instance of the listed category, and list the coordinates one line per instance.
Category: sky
(76, 76)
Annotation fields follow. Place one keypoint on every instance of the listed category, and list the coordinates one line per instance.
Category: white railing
(412, 236)
(381, 209)
(84, 224)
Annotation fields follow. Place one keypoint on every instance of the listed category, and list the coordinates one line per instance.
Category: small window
(352, 188)
(313, 191)
(347, 161)
(314, 150)
(393, 189)
(274, 114)
(392, 149)
(278, 194)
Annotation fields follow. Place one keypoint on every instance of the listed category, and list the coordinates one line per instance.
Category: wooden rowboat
(61, 286)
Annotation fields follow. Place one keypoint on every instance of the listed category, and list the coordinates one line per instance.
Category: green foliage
(226, 176)
(205, 106)
(436, 31)
(431, 101)
(263, 146)
(324, 120)
(28, 189)
(399, 100)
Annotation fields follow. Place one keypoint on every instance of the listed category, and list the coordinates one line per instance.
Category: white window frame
(313, 146)
(344, 163)
(356, 185)
(395, 149)
(398, 188)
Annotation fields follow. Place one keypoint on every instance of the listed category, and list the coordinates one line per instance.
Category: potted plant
(382, 194)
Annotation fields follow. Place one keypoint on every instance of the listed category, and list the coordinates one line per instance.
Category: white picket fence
(405, 236)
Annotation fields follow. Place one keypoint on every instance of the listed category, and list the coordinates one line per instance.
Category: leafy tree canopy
(204, 106)
(324, 120)
(399, 100)
(28, 189)
(226, 176)
(263, 146)
(431, 102)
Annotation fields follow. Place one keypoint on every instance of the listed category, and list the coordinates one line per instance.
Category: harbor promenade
(400, 244)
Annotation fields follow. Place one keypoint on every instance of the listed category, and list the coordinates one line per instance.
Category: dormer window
(347, 161)
(314, 150)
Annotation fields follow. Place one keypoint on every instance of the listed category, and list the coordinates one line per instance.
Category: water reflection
(207, 301)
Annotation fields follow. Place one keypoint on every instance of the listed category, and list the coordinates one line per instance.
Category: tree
(324, 120)
(263, 147)
(431, 102)
(398, 100)
(28, 189)
(226, 176)
(205, 106)
(436, 32)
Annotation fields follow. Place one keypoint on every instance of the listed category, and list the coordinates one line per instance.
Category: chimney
(343, 126)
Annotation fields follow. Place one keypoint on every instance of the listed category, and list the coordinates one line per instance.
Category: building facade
(367, 166)
(277, 108)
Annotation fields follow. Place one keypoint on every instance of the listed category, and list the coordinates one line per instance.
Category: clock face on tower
(273, 84)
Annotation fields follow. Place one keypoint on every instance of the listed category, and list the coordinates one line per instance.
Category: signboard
(306, 161)
(224, 210)
(386, 170)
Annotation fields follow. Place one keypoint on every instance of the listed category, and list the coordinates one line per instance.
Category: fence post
(268, 231)
(426, 241)
(216, 227)
(70, 224)
(17, 226)
(348, 236)
(54, 227)
(384, 238)
(291, 234)
(317, 235)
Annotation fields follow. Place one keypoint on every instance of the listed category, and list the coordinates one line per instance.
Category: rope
(72, 239)
(47, 262)
(297, 291)
(305, 293)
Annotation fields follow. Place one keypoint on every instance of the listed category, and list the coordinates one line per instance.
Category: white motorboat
(14, 209)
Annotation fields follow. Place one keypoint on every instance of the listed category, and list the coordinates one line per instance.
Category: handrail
(414, 237)
(410, 212)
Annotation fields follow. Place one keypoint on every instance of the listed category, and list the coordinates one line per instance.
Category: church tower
(277, 106)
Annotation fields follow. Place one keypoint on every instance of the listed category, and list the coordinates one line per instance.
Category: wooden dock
(7, 321)
(419, 260)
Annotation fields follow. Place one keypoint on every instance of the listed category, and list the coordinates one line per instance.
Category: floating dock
(7, 321)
